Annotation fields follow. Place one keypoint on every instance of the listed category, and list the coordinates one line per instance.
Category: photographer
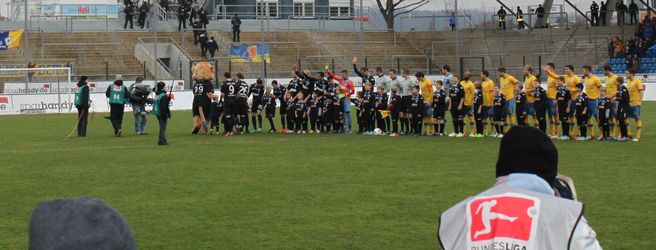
(138, 94)
(526, 200)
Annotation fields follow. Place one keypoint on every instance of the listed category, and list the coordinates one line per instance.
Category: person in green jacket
(82, 102)
(162, 111)
(117, 95)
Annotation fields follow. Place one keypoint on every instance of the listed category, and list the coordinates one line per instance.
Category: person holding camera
(138, 94)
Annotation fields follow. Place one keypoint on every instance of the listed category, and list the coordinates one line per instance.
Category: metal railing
(511, 20)
(398, 63)
(436, 20)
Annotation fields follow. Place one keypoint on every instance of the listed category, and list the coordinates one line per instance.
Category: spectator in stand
(602, 13)
(236, 23)
(197, 30)
(182, 17)
(203, 18)
(621, 12)
(611, 48)
(129, 12)
(212, 46)
(202, 39)
(594, 14)
(540, 13)
(520, 18)
(452, 21)
(164, 4)
(633, 12)
(193, 15)
(502, 18)
(619, 47)
(143, 12)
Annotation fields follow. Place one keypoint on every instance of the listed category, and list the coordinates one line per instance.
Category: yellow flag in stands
(10, 39)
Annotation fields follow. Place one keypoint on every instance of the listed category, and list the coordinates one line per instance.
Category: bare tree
(392, 9)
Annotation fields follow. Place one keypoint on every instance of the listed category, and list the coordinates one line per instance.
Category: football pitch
(264, 191)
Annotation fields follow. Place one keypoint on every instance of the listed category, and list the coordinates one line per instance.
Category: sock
(254, 120)
(456, 127)
(638, 128)
(283, 122)
(228, 123)
(195, 131)
(583, 130)
(273, 126)
(612, 124)
(462, 126)
(556, 128)
(472, 125)
(259, 121)
(442, 127)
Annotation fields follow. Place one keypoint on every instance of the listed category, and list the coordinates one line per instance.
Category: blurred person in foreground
(526, 209)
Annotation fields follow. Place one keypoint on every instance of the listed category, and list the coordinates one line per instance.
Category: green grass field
(262, 191)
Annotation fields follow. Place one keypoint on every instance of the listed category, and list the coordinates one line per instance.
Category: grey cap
(79, 223)
(118, 77)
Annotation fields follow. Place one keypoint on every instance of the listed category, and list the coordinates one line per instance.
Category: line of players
(324, 103)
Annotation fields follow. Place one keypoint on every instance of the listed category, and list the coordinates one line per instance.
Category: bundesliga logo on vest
(507, 221)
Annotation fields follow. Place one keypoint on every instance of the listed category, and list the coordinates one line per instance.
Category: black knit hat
(80, 223)
(528, 150)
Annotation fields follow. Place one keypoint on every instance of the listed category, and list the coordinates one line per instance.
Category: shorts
(195, 109)
(551, 107)
(530, 109)
(270, 112)
(467, 110)
(404, 106)
(510, 106)
(242, 106)
(255, 106)
(428, 111)
(283, 107)
(613, 110)
(438, 113)
(592, 107)
(634, 112)
(486, 112)
(572, 109)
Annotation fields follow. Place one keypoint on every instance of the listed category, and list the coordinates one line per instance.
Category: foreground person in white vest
(522, 211)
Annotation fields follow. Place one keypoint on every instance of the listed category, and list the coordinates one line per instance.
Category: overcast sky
(487, 4)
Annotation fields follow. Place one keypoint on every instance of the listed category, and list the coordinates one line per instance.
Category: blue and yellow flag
(250, 52)
(10, 39)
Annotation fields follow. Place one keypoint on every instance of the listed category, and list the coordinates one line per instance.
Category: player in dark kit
(201, 105)
(279, 94)
(416, 109)
(315, 104)
(326, 113)
(300, 114)
(499, 112)
(604, 114)
(242, 103)
(457, 97)
(478, 110)
(368, 109)
(623, 108)
(439, 109)
(563, 99)
(216, 110)
(541, 104)
(257, 92)
(380, 107)
(582, 113)
(269, 107)
(291, 116)
(229, 96)
(520, 106)
(394, 107)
